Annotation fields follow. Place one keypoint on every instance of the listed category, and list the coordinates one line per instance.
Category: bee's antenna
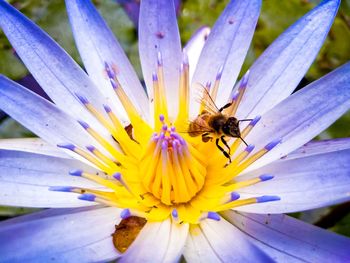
(243, 141)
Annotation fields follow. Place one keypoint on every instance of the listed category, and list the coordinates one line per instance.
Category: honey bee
(212, 122)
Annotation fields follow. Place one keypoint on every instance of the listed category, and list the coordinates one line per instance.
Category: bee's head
(231, 128)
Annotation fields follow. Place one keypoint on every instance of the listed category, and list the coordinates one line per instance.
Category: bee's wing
(205, 100)
(196, 128)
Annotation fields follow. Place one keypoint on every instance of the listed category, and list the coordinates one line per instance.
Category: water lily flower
(110, 152)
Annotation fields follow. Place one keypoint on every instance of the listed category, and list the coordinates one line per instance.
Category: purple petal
(41, 116)
(132, 8)
(60, 235)
(227, 242)
(26, 178)
(303, 115)
(287, 239)
(30, 83)
(280, 68)
(302, 183)
(227, 46)
(158, 242)
(97, 45)
(50, 65)
(158, 33)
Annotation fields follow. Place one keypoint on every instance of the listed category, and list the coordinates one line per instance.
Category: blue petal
(303, 115)
(30, 83)
(302, 183)
(319, 147)
(97, 45)
(60, 235)
(41, 116)
(51, 66)
(287, 239)
(227, 46)
(26, 177)
(277, 72)
(32, 145)
(226, 241)
(194, 48)
(198, 248)
(170, 239)
(158, 32)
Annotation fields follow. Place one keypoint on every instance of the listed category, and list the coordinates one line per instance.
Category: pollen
(158, 171)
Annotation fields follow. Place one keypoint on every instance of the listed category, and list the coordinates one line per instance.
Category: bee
(213, 122)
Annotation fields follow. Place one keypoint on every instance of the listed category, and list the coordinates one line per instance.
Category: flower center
(165, 171)
(170, 172)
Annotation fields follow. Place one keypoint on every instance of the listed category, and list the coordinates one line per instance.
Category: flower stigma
(160, 171)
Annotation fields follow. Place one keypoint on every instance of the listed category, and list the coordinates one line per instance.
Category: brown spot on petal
(128, 130)
(126, 232)
(160, 34)
(231, 20)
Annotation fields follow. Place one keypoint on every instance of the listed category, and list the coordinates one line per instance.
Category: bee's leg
(206, 137)
(246, 144)
(222, 150)
(244, 120)
(225, 106)
(225, 143)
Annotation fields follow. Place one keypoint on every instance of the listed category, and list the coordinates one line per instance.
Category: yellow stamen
(166, 184)
(160, 103)
(99, 117)
(184, 192)
(110, 148)
(238, 185)
(188, 213)
(141, 128)
(231, 111)
(182, 118)
(235, 203)
(129, 146)
(228, 173)
(159, 213)
(104, 158)
(249, 161)
(103, 194)
(107, 183)
(93, 160)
